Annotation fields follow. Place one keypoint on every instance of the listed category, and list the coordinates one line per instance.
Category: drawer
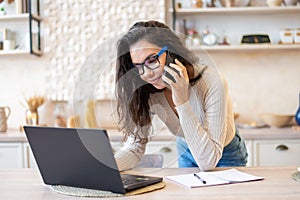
(276, 152)
(167, 149)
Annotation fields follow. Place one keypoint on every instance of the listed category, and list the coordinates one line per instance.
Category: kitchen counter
(269, 133)
(277, 184)
(13, 135)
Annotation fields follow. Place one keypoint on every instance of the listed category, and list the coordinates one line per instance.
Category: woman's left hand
(180, 87)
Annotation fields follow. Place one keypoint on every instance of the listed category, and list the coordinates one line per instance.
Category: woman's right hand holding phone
(177, 78)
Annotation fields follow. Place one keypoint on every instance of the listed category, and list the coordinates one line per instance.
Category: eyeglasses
(151, 62)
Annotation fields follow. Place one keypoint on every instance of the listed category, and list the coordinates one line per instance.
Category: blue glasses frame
(153, 62)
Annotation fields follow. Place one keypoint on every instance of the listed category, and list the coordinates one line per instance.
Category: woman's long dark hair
(132, 92)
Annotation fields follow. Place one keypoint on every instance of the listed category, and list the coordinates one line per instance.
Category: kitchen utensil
(4, 114)
(276, 120)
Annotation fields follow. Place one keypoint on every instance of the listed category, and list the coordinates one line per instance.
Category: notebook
(80, 158)
(203, 179)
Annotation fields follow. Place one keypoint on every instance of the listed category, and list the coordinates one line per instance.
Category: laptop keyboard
(129, 179)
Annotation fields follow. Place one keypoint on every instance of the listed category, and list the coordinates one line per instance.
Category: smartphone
(170, 59)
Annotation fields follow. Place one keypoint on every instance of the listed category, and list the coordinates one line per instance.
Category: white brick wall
(80, 41)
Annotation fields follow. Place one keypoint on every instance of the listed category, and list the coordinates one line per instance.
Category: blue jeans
(234, 154)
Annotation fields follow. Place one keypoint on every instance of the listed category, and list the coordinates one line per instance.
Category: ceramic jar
(4, 114)
(297, 36)
(273, 3)
(197, 3)
(228, 3)
(286, 36)
(242, 3)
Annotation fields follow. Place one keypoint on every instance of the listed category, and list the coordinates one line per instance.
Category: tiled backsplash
(80, 39)
(261, 81)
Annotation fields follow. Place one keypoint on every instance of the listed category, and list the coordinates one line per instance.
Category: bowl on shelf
(235, 3)
(277, 120)
(273, 3)
(290, 2)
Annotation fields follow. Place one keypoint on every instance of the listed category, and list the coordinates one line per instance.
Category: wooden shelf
(248, 47)
(238, 10)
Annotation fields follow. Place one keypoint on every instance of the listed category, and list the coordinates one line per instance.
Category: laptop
(80, 158)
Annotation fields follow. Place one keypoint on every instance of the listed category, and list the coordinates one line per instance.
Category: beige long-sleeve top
(205, 121)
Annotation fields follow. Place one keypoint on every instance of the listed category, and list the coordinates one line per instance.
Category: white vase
(46, 111)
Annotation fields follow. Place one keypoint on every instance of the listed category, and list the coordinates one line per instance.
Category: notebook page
(189, 180)
(213, 178)
(234, 175)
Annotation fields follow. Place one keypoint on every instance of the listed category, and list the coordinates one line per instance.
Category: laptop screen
(80, 158)
(75, 157)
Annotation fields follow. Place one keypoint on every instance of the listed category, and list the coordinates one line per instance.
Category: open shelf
(248, 47)
(25, 18)
(238, 10)
(20, 17)
(19, 52)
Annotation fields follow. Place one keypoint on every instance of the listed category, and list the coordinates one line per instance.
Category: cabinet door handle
(282, 147)
(165, 149)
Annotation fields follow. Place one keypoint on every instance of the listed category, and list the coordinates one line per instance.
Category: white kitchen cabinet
(250, 152)
(29, 161)
(276, 152)
(11, 155)
(235, 22)
(166, 148)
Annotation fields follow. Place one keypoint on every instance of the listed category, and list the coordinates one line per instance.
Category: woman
(157, 75)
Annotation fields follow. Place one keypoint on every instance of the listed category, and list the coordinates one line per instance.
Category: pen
(198, 177)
